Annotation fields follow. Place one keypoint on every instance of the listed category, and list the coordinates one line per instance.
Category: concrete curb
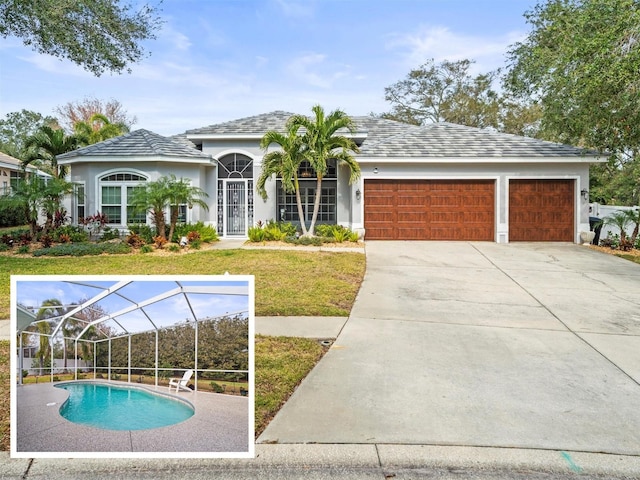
(293, 460)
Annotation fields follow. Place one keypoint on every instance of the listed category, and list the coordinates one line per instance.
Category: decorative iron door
(236, 208)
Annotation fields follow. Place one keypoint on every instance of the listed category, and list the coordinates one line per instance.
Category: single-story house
(435, 182)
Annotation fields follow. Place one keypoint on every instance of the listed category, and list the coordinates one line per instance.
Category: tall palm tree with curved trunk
(49, 308)
(97, 129)
(322, 143)
(181, 192)
(283, 163)
(45, 145)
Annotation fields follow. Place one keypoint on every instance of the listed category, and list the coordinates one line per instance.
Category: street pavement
(459, 360)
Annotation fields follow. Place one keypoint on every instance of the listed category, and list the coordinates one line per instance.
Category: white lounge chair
(181, 382)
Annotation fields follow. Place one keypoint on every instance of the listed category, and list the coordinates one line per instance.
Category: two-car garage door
(539, 210)
(429, 209)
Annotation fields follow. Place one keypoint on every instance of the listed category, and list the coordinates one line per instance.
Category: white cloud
(440, 43)
(313, 70)
(296, 8)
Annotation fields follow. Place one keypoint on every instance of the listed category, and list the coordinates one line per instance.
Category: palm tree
(322, 143)
(180, 193)
(97, 129)
(35, 194)
(283, 163)
(49, 308)
(621, 220)
(153, 198)
(634, 217)
(45, 145)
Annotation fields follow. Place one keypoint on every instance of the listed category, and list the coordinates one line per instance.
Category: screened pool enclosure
(138, 329)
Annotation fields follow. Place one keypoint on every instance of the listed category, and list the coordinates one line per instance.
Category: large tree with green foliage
(581, 62)
(99, 35)
(323, 142)
(448, 92)
(16, 127)
(283, 163)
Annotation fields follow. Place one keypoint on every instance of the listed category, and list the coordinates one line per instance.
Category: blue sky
(219, 60)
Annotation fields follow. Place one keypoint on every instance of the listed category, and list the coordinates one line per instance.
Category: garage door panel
(432, 209)
(541, 210)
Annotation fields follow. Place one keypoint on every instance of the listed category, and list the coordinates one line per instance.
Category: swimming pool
(118, 407)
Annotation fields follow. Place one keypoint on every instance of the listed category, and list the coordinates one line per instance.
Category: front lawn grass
(287, 282)
(281, 364)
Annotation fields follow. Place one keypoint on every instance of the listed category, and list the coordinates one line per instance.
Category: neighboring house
(437, 182)
(10, 172)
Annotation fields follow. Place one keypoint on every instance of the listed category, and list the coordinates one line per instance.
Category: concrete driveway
(480, 344)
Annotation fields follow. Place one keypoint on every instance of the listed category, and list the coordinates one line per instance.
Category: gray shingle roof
(391, 139)
(255, 125)
(455, 141)
(139, 143)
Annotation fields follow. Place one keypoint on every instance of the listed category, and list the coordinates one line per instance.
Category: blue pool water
(121, 408)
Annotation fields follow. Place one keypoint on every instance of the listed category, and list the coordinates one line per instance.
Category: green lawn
(287, 282)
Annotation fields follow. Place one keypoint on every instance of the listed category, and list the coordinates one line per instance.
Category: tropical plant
(49, 308)
(97, 129)
(44, 146)
(619, 219)
(34, 195)
(284, 164)
(153, 198)
(322, 143)
(181, 192)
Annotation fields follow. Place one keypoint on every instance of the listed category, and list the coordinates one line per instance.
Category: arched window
(116, 190)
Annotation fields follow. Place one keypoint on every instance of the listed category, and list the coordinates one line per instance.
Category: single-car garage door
(429, 209)
(541, 210)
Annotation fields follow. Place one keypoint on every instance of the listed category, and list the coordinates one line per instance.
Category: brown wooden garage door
(429, 209)
(541, 210)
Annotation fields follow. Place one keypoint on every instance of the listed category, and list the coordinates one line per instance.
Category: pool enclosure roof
(98, 308)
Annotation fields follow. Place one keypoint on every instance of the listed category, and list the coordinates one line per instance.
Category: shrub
(174, 247)
(25, 238)
(145, 231)
(4, 247)
(287, 228)
(193, 235)
(196, 244)
(109, 233)
(94, 223)
(612, 241)
(256, 234)
(207, 233)
(22, 249)
(74, 234)
(324, 230)
(25, 373)
(273, 233)
(159, 241)
(46, 240)
(216, 387)
(135, 240)
(146, 249)
(12, 215)
(82, 249)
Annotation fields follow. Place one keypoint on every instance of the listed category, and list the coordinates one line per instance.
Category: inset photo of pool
(132, 366)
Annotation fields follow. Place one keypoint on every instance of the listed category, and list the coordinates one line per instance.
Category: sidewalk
(372, 461)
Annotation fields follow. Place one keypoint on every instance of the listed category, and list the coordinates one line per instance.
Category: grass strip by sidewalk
(287, 282)
(281, 364)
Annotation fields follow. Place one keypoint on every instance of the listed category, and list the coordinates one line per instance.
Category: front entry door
(236, 208)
